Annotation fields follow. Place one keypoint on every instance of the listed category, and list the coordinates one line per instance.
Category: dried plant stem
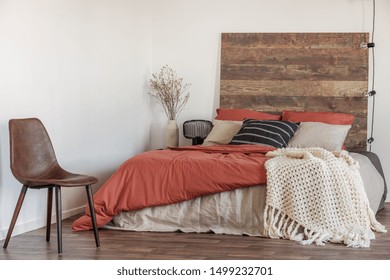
(170, 91)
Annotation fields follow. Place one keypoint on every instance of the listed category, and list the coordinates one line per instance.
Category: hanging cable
(372, 93)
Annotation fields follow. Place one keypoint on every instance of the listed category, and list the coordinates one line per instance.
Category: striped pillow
(269, 133)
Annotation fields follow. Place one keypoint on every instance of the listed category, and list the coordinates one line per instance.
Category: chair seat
(68, 180)
(58, 176)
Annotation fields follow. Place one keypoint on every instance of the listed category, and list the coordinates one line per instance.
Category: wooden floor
(120, 245)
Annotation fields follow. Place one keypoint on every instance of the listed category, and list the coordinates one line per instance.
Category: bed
(238, 212)
(221, 186)
(202, 189)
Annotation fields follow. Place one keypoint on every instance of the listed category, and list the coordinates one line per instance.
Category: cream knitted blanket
(314, 195)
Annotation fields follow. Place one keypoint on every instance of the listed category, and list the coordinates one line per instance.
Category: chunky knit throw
(317, 196)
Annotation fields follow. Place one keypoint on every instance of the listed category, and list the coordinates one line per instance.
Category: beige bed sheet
(238, 212)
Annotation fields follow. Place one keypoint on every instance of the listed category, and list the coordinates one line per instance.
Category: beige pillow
(222, 132)
(316, 134)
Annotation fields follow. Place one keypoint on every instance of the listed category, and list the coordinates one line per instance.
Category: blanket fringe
(279, 225)
(375, 225)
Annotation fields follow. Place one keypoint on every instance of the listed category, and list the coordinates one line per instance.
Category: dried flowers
(170, 91)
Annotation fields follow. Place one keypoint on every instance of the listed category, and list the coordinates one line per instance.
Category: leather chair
(33, 163)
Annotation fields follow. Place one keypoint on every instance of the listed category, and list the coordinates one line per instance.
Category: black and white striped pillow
(270, 133)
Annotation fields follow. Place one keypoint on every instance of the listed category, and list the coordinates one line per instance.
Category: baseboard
(29, 226)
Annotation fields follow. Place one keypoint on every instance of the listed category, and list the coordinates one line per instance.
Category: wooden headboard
(272, 72)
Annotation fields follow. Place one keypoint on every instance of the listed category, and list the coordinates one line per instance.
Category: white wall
(186, 35)
(81, 67)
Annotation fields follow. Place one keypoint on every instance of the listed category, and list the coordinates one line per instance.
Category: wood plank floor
(120, 245)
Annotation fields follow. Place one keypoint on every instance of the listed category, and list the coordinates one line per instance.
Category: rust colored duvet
(162, 177)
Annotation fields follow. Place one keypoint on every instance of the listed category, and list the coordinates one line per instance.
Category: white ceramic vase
(172, 134)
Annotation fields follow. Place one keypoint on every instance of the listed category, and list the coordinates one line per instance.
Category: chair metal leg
(15, 215)
(93, 216)
(49, 209)
(59, 218)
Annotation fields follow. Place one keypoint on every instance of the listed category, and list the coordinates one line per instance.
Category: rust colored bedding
(163, 177)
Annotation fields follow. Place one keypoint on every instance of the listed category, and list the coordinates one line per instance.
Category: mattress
(237, 212)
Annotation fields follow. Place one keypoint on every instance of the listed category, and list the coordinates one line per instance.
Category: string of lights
(372, 92)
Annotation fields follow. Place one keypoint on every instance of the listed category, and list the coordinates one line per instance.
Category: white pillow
(222, 132)
(316, 134)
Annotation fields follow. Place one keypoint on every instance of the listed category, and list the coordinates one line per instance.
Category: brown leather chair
(34, 164)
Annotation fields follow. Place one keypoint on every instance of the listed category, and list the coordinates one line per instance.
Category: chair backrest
(31, 150)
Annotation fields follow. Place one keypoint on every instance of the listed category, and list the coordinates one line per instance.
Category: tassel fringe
(278, 225)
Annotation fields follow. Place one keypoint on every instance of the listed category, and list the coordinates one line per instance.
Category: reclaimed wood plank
(295, 40)
(350, 105)
(313, 72)
(293, 88)
(291, 56)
